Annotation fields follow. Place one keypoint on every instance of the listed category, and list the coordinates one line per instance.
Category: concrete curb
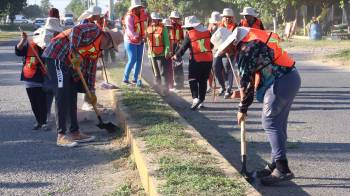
(146, 166)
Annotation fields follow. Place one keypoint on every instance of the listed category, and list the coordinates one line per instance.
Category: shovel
(139, 80)
(106, 84)
(109, 127)
(249, 176)
(236, 94)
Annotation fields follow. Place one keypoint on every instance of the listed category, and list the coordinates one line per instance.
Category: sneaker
(275, 177)
(201, 106)
(125, 82)
(173, 90)
(195, 103)
(227, 95)
(209, 90)
(222, 92)
(65, 141)
(36, 127)
(265, 172)
(87, 107)
(44, 127)
(134, 82)
(81, 137)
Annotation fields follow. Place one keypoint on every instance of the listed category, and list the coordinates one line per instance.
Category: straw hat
(219, 38)
(155, 16)
(166, 22)
(135, 4)
(249, 11)
(191, 21)
(53, 24)
(237, 35)
(174, 14)
(228, 12)
(117, 37)
(215, 17)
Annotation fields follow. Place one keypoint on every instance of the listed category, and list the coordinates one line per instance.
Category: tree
(15, 7)
(32, 11)
(45, 6)
(77, 7)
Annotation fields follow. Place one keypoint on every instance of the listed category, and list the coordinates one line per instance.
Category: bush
(14, 27)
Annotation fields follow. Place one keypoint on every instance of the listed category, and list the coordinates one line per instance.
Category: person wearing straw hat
(32, 75)
(223, 71)
(92, 15)
(197, 40)
(159, 51)
(72, 49)
(214, 21)
(167, 24)
(136, 21)
(177, 37)
(251, 19)
(268, 71)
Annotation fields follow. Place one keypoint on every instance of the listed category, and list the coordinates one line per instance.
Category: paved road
(30, 162)
(319, 132)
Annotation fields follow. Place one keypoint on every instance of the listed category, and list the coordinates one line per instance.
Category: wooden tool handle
(243, 139)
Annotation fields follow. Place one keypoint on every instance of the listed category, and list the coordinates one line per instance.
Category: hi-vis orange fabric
(155, 38)
(200, 42)
(31, 62)
(230, 26)
(256, 25)
(140, 23)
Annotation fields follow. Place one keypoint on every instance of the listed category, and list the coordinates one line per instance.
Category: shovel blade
(110, 127)
(106, 85)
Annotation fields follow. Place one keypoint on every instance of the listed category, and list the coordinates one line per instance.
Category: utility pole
(111, 10)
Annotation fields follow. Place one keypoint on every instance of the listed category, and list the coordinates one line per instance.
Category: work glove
(241, 117)
(92, 99)
(75, 60)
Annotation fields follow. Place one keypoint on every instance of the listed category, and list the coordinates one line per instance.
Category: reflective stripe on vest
(200, 42)
(155, 39)
(31, 62)
(281, 57)
(140, 29)
(256, 25)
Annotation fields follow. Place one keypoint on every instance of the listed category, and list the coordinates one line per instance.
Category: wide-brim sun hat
(175, 14)
(155, 16)
(53, 24)
(167, 22)
(191, 21)
(117, 37)
(227, 12)
(219, 37)
(249, 11)
(135, 4)
(237, 35)
(215, 17)
(37, 36)
(95, 10)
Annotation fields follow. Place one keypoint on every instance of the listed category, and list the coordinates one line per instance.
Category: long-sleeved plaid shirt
(81, 35)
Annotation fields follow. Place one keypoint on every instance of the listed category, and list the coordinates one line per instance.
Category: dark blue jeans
(277, 103)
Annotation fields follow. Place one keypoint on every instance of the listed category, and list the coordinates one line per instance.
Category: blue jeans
(278, 100)
(135, 53)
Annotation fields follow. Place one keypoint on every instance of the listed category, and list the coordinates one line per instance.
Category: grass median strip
(184, 166)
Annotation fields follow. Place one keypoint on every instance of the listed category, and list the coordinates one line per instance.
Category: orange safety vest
(30, 67)
(200, 42)
(176, 33)
(281, 57)
(155, 38)
(91, 51)
(140, 23)
(230, 26)
(256, 25)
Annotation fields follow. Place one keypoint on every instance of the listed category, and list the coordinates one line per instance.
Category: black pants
(198, 74)
(179, 75)
(66, 93)
(160, 67)
(37, 98)
(223, 72)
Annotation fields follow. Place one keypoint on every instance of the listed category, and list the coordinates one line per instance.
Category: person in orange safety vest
(251, 19)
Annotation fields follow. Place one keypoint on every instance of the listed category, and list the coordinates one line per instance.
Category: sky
(61, 4)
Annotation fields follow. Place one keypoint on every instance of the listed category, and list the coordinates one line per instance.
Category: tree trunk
(275, 24)
(347, 13)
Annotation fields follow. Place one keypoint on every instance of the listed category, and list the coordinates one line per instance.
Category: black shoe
(36, 127)
(276, 177)
(266, 171)
(222, 92)
(44, 127)
(227, 95)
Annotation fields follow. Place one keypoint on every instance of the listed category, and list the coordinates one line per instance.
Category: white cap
(215, 17)
(95, 10)
(53, 24)
(237, 35)
(227, 12)
(191, 21)
(249, 11)
(135, 4)
(174, 14)
(219, 38)
(166, 22)
(155, 16)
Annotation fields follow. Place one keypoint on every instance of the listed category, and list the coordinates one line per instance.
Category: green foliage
(45, 5)
(32, 11)
(77, 7)
(14, 27)
(13, 8)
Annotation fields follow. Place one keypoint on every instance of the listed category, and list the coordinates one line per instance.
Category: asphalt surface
(318, 131)
(30, 161)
